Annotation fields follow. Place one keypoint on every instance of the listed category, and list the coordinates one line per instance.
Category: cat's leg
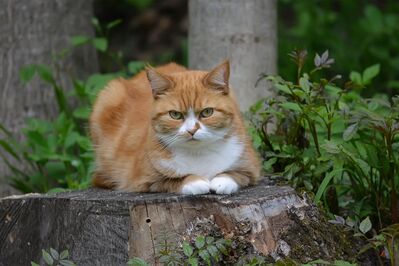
(101, 182)
(229, 182)
(190, 185)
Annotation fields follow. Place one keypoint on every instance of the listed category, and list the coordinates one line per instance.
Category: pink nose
(194, 129)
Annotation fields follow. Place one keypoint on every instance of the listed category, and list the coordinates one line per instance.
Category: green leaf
(113, 24)
(205, 256)
(282, 87)
(47, 257)
(80, 89)
(193, 261)
(365, 225)
(222, 247)
(305, 85)
(331, 147)
(210, 239)
(187, 249)
(355, 77)
(82, 112)
(71, 139)
(200, 241)
(350, 132)
(343, 263)
(327, 178)
(268, 165)
(67, 263)
(6, 146)
(56, 190)
(55, 170)
(135, 67)
(64, 254)
(54, 253)
(27, 73)
(370, 73)
(100, 44)
(137, 262)
(79, 40)
(45, 74)
(34, 264)
(291, 106)
(213, 251)
(36, 138)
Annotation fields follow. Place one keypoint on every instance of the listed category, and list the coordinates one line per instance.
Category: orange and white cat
(170, 129)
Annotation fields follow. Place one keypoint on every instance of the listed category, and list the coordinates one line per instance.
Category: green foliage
(358, 33)
(329, 140)
(52, 257)
(57, 155)
(203, 250)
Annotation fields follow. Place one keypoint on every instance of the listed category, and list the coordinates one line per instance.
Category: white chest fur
(206, 161)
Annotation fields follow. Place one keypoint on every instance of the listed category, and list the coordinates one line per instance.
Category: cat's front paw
(224, 185)
(196, 187)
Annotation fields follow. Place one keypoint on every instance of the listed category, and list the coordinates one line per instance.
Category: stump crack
(150, 228)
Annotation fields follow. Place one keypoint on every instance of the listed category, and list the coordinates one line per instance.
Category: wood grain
(103, 227)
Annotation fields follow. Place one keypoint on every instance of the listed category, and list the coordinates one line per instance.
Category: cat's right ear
(159, 82)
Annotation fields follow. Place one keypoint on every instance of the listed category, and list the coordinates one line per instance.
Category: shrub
(331, 141)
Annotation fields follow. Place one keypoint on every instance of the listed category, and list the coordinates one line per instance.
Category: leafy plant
(52, 257)
(358, 33)
(57, 154)
(203, 250)
(330, 140)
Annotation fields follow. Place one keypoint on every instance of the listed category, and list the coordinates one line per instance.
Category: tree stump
(102, 227)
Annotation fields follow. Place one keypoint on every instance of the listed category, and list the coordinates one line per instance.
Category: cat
(169, 129)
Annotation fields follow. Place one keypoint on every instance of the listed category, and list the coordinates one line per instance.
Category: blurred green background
(357, 33)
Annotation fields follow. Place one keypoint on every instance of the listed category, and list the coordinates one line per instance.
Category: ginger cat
(170, 129)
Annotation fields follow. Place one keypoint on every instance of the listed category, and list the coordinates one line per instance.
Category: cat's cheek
(224, 185)
(196, 187)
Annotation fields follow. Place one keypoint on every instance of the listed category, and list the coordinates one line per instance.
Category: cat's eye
(207, 112)
(176, 115)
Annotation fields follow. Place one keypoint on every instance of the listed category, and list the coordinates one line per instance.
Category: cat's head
(192, 108)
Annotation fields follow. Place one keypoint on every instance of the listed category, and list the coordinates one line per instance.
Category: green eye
(207, 112)
(176, 115)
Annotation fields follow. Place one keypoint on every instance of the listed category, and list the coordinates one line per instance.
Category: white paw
(196, 187)
(224, 185)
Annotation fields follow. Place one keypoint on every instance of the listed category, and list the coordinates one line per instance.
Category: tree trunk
(242, 31)
(31, 32)
(103, 227)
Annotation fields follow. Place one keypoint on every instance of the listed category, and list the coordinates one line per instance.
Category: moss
(309, 237)
(312, 237)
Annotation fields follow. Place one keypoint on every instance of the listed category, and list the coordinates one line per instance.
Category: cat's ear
(159, 82)
(218, 78)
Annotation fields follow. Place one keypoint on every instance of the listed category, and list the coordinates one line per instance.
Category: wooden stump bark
(102, 227)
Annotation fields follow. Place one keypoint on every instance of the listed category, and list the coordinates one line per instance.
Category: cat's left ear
(218, 78)
(159, 82)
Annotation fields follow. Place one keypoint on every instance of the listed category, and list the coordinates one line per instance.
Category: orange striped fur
(152, 133)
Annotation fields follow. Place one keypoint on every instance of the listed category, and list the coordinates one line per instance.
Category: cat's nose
(192, 131)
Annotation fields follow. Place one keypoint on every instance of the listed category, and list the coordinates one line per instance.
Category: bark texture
(101, 227)
(31, 32)
(242, 31)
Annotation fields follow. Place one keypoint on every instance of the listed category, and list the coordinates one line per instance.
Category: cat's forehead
(188, 79)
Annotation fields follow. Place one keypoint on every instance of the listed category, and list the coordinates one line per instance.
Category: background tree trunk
(32, 32)
(242, 31)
